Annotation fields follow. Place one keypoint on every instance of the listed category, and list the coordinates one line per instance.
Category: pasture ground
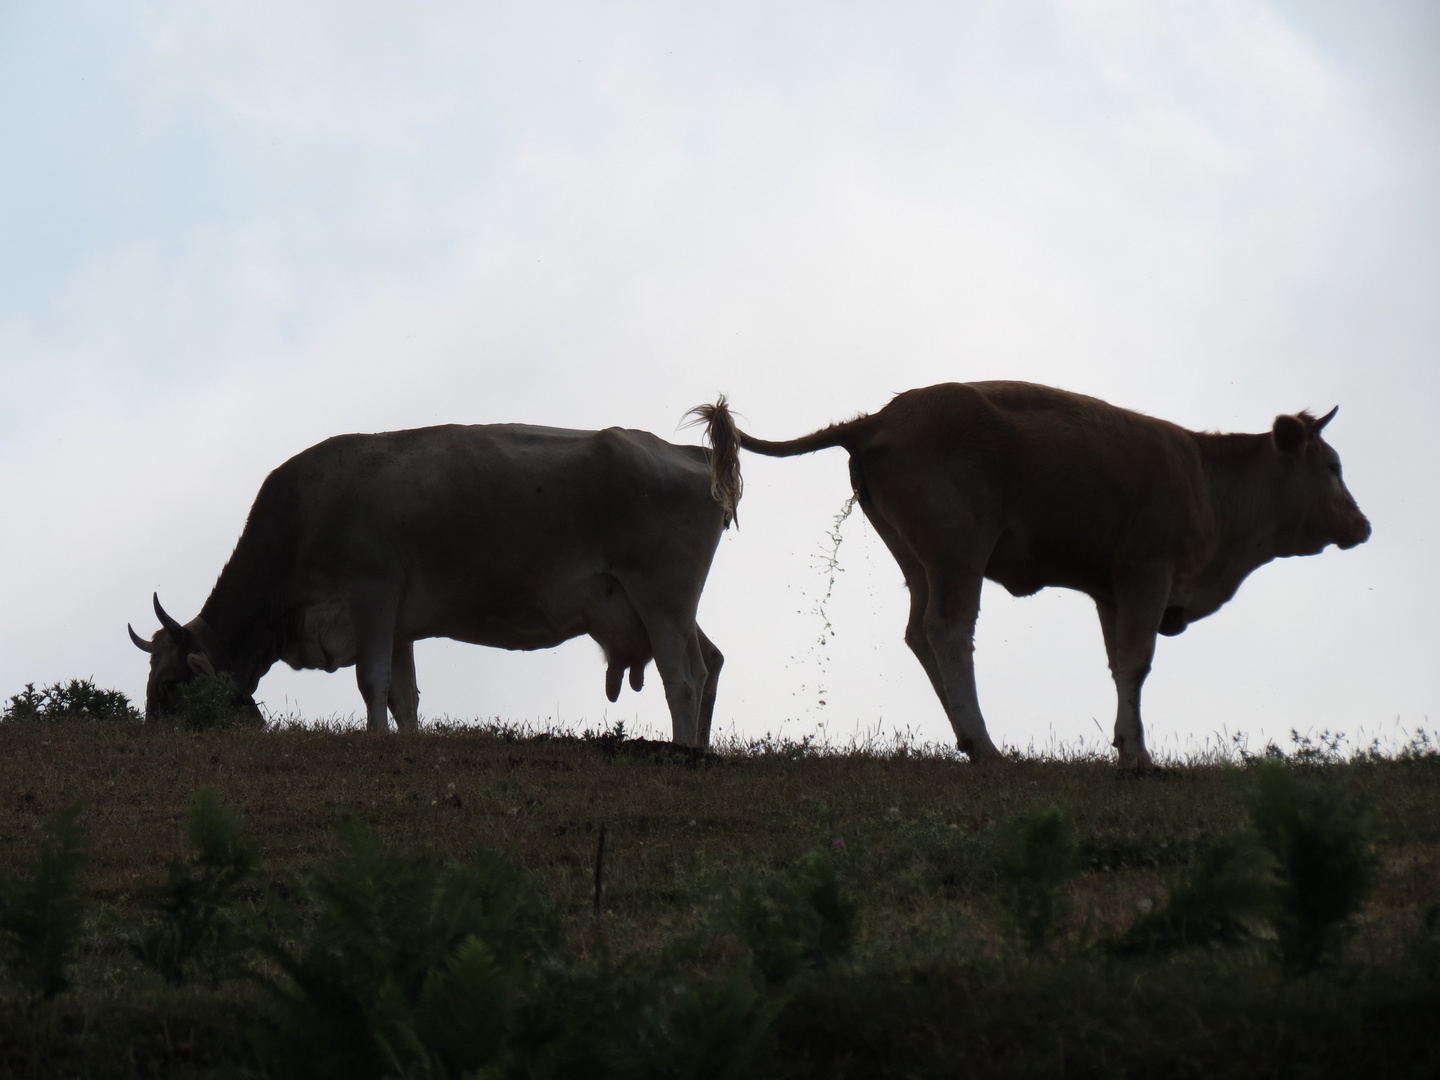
(935, 984)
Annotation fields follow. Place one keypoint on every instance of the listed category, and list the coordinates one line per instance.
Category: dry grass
(910, 832)
(911, 835)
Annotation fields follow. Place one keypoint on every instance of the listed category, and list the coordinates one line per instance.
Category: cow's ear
(200, 664)
(1289, 434)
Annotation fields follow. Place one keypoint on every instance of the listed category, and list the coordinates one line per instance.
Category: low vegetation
(79, 699)
(209, 900)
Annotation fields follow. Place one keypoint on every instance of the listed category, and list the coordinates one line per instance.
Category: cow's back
(1069, 485)
(502, 502)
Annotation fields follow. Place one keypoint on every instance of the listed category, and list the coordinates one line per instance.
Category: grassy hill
(764, 911)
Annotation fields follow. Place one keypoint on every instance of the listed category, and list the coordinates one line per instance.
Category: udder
(615, 625)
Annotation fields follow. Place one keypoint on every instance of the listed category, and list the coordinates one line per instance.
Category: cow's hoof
(981, 754)
(1136, 763)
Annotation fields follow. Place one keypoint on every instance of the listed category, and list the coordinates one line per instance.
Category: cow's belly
(1024, 566)
(322, 635)
(530, 630)
(326, 638)
(511, 618)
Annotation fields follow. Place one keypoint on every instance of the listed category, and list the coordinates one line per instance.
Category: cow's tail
(842, 434)
(724, 439)
(846, 434)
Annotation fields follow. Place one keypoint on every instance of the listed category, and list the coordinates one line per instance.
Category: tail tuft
(724, 440)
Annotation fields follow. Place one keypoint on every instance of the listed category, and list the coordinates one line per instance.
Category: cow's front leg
(1130, 626)
(404, 694)
(373, 608)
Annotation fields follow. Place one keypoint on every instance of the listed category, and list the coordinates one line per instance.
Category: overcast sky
(230, 230)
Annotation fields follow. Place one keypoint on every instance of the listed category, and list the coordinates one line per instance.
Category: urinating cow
(507, 535)
(1031, 486)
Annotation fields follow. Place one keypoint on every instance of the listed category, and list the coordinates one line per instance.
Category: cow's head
(177, 655)
(1323, 510)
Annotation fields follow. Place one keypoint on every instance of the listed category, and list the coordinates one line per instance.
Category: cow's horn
(140, 642)
(165, 620)
(1319, 424)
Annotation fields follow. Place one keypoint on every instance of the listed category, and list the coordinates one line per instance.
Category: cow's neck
(1243, 495)
(240, 614)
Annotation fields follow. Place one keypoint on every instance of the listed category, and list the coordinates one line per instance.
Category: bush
(79, 699)
(395, 965)
(788, 928)
(41, 911)
(198, 929)
(1319, 838)
(401, 965)
(1426, 946)
(1227, 899)
(711, 1030)
(208, 702)
(637, 1020)
(1305, 868)
(1037, 857)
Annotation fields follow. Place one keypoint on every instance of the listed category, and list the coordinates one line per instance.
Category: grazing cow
(506, 535)
(1031, 486)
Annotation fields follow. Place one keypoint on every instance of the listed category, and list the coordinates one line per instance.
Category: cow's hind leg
(1130, 626)
(919, 588)
(951, 608)
(714, 660)
(682, 670)
(404, 694)
(675, 640)
(373, 607)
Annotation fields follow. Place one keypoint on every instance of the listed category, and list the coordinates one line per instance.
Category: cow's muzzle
(1358, 535)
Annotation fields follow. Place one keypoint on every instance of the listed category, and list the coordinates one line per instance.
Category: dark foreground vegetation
(298, 902)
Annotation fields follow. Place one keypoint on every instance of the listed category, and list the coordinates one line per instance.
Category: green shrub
(1426, 946)
(41, 910)
(792, 927)
(79, 699)
(637, 1020)
(657, 1019)
(394, 965)
(1227, 899)
(401, 965)
(207, 702)
(706, 1030)
(1036, 858)
(641, 1018)
(198, 929)
(1319, 838)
